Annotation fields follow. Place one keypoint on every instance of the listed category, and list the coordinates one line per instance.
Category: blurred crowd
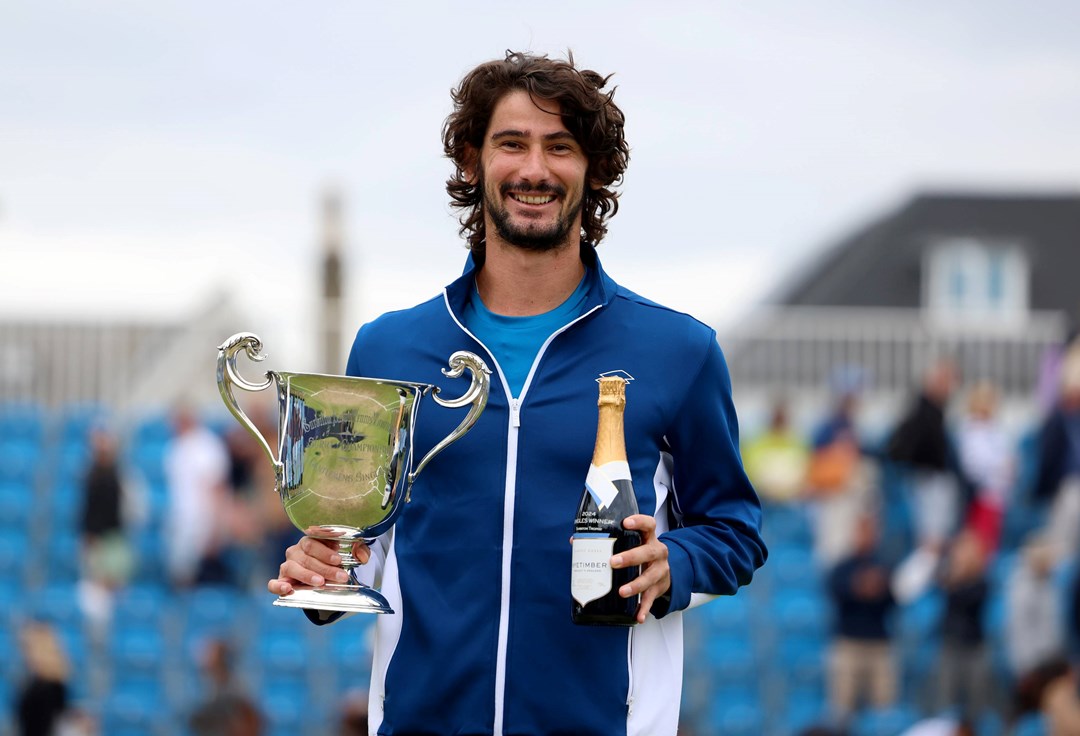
(959, 467)
(221, 525)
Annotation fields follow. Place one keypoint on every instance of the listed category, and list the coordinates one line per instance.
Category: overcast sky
(154, 153)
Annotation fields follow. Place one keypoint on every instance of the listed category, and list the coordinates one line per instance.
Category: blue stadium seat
(787, 525)
(156, 428)
(148, 544)
(62, 506)
(733, 715)
(21, 459)
(142, 604)
(23, 421)
(801, 614)
(801, 663)
(134, 707)
(208, 612)
(77, 420)
(728, 614)
(919, 620)
(1031, 725)
(56, 603)
(287, 709)
(884, 721)
(731, 660)
(147, 457)
(14, 550)
(793, 568)
(282, 652)
(800, 711)
(17, 501)
(72, 462)
(138, 650)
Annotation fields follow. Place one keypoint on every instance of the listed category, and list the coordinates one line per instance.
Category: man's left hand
(655, 578)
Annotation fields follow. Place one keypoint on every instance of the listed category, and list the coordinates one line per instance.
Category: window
(970, 280)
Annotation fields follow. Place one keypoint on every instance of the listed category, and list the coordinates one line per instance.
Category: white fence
(803, 348)
(133, 367)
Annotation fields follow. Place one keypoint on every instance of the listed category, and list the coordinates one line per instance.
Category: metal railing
(804, 348)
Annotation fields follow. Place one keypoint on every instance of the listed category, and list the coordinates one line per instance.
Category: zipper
(509, 495)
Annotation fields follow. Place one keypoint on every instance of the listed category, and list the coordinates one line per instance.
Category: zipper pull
(515, 413)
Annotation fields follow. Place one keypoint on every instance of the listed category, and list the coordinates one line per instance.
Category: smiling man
(478, 566)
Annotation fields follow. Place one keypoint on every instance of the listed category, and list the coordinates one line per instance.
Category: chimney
(331, 313)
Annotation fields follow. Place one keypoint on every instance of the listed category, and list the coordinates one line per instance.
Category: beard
(534, 236)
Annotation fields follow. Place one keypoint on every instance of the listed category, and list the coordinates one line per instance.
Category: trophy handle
(477, 396)
(227, 376)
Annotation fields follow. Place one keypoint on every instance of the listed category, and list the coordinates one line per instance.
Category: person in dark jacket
(964, 665)
(862, 661)
(921, 445)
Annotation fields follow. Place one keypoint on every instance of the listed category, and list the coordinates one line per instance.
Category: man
(478, 566)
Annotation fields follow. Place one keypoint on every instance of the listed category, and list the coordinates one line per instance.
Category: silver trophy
(345, 455)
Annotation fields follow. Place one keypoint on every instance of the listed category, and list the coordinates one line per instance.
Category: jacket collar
(601, 287)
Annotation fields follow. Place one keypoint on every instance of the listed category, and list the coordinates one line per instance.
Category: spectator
(964, 666)
(107, 558)
(1034, 630)
(226, 710)
(776, 460)
(987, 462)
(42, 701)
(1057, 480)
(1051, 690)
(354, 714)
(840, 483)
(920, 444)
(861, 663)
(196, 470)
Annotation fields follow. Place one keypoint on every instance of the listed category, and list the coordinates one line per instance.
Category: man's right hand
(311, 563)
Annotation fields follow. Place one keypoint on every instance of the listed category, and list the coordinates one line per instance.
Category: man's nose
(534, 168)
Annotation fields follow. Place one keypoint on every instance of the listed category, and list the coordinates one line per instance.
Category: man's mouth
(531, 198)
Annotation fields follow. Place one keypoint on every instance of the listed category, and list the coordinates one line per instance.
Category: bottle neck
(610, 440)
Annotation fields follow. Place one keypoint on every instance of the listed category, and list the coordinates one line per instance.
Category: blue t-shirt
(515, 341)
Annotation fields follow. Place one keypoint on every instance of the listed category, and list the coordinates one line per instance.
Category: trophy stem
(348, 560)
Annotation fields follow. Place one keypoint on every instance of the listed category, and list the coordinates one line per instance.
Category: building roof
(881, 264)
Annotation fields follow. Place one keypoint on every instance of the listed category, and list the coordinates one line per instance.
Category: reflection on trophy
(345, 455)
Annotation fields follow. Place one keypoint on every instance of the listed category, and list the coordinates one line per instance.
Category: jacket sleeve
(717, 544)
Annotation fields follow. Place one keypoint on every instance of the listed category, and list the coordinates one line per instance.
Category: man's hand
(655, 578)
(313, 562)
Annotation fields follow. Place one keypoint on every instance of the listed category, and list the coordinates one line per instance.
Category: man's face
(532, 172)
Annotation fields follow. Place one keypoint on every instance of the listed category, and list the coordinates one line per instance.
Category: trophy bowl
(343, 465)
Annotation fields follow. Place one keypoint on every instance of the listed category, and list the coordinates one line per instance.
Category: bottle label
(601, 481)
(590, 572)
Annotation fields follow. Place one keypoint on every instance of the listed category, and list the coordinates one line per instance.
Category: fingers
(642, 523)
(655, 577)
(313, 562)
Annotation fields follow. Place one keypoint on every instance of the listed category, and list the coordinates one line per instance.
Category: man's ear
(596, 185)
(470, 166)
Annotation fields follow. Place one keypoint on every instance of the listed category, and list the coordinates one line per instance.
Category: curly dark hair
(589, 113)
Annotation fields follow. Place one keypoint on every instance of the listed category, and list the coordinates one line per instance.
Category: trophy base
(347, 598)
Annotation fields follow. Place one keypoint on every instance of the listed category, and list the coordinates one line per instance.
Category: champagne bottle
(598, 530)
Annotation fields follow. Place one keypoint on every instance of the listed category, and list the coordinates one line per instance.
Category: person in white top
(196, 471)
(987, 459)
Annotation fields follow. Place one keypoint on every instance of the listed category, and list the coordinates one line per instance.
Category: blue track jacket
(477, 567)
